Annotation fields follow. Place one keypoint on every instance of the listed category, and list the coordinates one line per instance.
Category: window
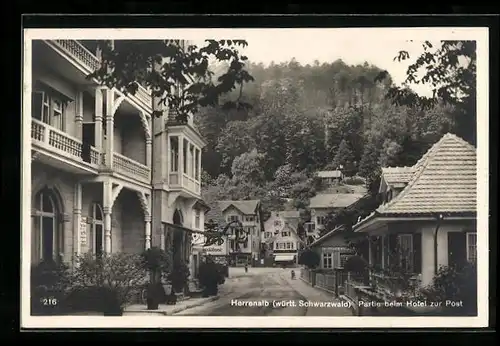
(49, 108)
(197, 219)
(97, 231)
(267, 235)
(184, 152)
(196, 164)
(285, 233)
(405, 242)
(277, 223)
(249, 218)
(471, 246)
(232, 218)
(47, 240)
(174, 154)
(310, 227)
(327, 260)
(320, 220)
(288, 246)
(192, 159)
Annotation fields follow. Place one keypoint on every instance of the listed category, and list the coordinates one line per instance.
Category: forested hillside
(308, 118)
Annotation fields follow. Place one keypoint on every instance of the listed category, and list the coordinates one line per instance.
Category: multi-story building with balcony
(280, 238)
(249, 214)
(106, 176)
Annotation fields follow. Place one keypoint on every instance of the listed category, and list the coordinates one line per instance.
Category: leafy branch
(177, 75)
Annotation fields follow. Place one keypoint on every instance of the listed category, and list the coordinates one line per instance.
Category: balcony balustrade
(59, 142)
(77, 52)
(131, 168)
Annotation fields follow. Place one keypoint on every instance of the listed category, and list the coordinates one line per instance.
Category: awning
(284, 258)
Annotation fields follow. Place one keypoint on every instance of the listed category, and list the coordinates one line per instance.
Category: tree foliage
(450, 71)
(176, 73)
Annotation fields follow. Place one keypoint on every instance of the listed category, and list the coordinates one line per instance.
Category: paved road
(260, 292)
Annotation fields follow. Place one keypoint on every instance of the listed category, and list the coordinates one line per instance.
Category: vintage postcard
(255, 178)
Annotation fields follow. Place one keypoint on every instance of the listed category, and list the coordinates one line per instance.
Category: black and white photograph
(208, 177)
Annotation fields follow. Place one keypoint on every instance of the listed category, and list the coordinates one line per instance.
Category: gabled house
(330, 178)
(332, 248)
(249, 213)
(428, 217)
(323, 204)
(280, 239)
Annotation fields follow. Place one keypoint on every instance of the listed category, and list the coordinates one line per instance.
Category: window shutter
(457, 248)
(36, 105)
(417, 253)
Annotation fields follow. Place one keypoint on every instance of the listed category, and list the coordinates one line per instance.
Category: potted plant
(210, 276)
(156, 261)
(179, 276)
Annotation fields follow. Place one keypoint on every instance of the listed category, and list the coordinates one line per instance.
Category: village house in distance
(93, 186)
(249, 213)
(280, 240)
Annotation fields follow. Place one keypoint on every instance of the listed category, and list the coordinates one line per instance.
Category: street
(261, 292)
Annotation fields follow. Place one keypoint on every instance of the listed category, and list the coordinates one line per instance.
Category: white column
(98, 119)
(199, 165)
(77, 218)
(147, 231)
(148, 152)
(107, 207)
(181, 159)
(107, 230)
(109, 128)
(79, 115)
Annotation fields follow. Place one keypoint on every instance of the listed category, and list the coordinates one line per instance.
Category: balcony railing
(60, 142)
(131, 168)
(183, 181)
(81, 54)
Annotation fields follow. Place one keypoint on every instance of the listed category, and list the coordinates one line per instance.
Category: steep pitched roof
(335, 200)
(444, 181)
(328, 235)
(246, 207)
(290, 214)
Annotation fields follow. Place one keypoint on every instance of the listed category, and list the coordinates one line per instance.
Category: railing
(131, 168)
(389, 286)
(351, 291)
(182, 180)
(62, 143)
(91, 62)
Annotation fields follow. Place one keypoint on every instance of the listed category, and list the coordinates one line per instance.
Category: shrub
(112, 277)
(49, 285)
(455, 283)
(309, 258)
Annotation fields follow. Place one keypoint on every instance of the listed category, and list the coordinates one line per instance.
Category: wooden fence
(333, 281)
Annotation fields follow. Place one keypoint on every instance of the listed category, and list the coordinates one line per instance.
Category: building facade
(280, 239)
(249, 213)
(428, 217)
(322, 205)
(106, 176)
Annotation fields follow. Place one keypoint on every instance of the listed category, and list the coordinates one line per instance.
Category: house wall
(60, 84)
(427, 229)
(129, 137)
(64, 186)
(319, 212)
(253, 245)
